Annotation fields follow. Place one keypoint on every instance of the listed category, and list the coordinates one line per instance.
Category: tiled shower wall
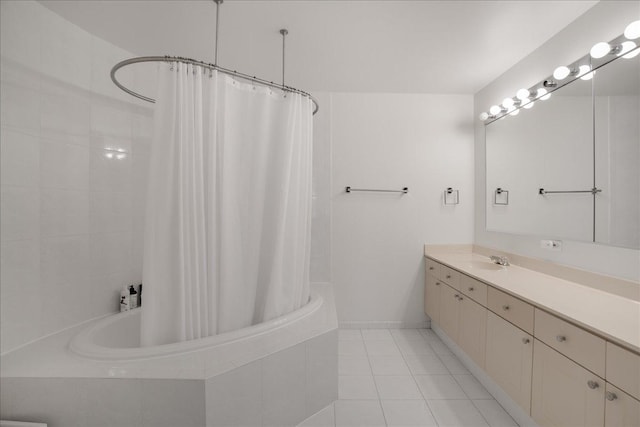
(74, 163)
(72, 217)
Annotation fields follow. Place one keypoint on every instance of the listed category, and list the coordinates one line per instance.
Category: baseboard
(383, 324)
(522, 418)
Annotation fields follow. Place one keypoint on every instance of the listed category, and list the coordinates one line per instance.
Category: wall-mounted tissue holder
(451, 196)
(501, 196)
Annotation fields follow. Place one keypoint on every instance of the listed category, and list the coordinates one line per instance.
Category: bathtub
(117, 337)
(275, 373)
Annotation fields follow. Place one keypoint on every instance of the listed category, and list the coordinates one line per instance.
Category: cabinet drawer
(577, 344)
(511, 308)
(623, 369)
(621, 410)
(450, 276)
(433, 267)
(474, 289)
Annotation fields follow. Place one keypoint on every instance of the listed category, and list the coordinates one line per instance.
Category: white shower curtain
(228, 215)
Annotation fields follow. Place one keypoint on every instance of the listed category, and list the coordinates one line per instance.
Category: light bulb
(627, 50)
(561, 72)
(529, 105)
(600, 49)
(524, 102)
(515, 112)
(543, 94)
(109, 155)
(632, 31)
(484, 116)
(507, 103)
(583, 69)
(584, 72)
(523, 94)
(494, 110)
(632, 54)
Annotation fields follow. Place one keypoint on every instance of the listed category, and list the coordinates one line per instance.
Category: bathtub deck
(50, 356)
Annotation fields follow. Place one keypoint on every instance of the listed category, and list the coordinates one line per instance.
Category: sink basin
(485, 265)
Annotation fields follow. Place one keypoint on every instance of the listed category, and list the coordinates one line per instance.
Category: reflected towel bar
(593, 191)
(405, 190)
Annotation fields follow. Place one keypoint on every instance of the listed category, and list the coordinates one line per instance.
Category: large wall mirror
(585, 136)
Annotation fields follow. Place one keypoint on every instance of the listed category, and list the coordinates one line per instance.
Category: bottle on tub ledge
(133, 297)
(124, 299)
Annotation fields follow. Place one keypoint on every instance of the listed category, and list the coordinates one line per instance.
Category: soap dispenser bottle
(133, 297)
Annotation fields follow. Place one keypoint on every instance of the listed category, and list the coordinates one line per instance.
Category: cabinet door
(449, 311)
(432, 298)
(509, 358)
(621, 410)
(564, 393)
(472, 332)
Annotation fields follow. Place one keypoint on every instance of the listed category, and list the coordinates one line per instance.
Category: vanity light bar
(601, 54)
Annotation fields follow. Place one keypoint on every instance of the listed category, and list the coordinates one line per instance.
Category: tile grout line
(375, 384)
(426, 402)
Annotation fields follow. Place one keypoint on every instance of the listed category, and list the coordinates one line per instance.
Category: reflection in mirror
(617, 145)
(548, 146)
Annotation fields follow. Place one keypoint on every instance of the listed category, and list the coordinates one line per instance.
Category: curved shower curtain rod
(213, 66)
(205, 65)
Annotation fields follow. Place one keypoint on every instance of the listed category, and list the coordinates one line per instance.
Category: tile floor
(405, 377)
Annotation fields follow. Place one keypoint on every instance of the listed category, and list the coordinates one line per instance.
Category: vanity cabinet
(463, 319)
(561, 374)
(509, 359)
(563, 392)
(432, 297)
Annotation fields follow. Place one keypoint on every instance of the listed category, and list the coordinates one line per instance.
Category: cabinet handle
(430, 268)
(561, 338)
(471, 289)
(460, 298)
(437, 283)
(611, 396)
(526, 340)
(592, 384)
(505, 307)
(448, 276)
(456, 296)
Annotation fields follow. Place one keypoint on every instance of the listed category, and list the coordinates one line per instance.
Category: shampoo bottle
(124, 299)
(133, 297)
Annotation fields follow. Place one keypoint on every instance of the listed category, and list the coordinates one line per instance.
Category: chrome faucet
(500, 260)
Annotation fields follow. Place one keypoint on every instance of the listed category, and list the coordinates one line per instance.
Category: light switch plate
(551, 245)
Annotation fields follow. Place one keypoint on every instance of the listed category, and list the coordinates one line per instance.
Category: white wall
(390, 141)
(604, 21)
(71, 220)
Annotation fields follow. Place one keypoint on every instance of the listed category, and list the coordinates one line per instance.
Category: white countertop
(610, 316)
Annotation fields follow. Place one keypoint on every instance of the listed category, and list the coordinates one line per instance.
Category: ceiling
(454, 46)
